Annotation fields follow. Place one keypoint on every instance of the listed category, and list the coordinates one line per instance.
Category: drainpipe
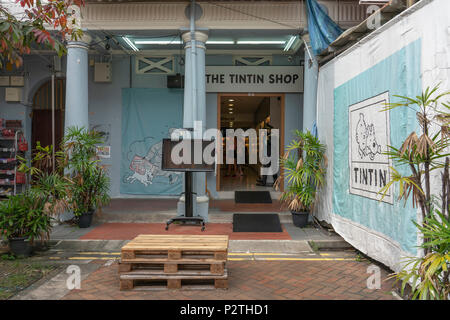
(193, 64)
(311, 71)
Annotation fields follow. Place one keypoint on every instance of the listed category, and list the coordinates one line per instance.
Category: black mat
(256, 222)
(252, 197)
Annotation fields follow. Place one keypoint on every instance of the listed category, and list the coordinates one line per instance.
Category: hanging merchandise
(8, 132)
(20, 178)
(22, 144)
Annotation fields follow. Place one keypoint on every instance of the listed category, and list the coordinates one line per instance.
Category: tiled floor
(244, 182)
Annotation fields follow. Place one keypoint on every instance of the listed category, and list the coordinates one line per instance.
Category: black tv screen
(168, 165)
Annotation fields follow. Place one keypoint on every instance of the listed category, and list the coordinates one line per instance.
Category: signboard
(369, 138)
(254, 79)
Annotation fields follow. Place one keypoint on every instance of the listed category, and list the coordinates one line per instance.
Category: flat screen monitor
(168, 165)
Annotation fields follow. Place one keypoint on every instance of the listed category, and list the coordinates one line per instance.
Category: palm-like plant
(425, 153)
(46, 183)
(89, 182)
(304, 165)
(429, 276)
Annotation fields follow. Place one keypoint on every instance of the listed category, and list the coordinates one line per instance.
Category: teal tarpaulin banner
(362, 134)
(148, 116)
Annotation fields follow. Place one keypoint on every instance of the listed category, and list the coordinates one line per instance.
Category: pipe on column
(311, 72)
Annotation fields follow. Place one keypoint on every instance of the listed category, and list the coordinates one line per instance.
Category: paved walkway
(248, 279)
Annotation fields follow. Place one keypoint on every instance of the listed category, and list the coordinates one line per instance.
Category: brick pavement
(256, 280)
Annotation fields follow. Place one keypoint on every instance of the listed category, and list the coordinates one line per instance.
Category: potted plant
(27, 216)
(304, 166)
(89, 183)
(23, 218)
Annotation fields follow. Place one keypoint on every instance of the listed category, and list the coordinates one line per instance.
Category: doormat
(256, 222)
(252, 197)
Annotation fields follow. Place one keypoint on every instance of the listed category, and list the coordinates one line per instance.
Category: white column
(77, 112)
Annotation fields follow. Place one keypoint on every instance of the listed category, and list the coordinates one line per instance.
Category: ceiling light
(231, 112)
(130, 44)
(157, 42)
(231, 100)
(289, 43)
(231, 109)
(220, 42)
(260, 42)
(230, 105)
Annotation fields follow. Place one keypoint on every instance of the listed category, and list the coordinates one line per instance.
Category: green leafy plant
(429, 275)
(47, 184)
(304, 165)
(18, 33)
(424, 154)
(24, 215)
(89, 183)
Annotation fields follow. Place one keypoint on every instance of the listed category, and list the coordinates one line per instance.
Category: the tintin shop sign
(369, 138)
(254, 79)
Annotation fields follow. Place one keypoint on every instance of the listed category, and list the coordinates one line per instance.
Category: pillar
(311, 72)
(195, 110)
(76, 113)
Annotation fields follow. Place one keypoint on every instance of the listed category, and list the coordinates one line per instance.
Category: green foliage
(89, 183)
(429, 275)
(18, 33)
(24, 215)
(304, 166)
(425, 153)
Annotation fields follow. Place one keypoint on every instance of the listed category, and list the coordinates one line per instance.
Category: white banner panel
(369, 139)
(254, 79)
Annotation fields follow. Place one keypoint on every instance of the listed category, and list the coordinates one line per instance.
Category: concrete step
(235, 246)
(162, 217)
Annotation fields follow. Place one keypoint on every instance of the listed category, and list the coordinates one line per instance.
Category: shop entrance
(248, 111)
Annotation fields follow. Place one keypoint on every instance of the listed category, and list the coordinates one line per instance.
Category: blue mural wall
(398, 74)
(144, 125)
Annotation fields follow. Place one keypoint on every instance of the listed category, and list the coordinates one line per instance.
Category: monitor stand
(188, 218)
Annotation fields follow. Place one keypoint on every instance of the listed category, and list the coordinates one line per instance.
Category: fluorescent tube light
(289, 43)
(219, 42)
(157, 42)
(130, 44)
(260, 42)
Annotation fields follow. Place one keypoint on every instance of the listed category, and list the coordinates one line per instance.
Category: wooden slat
(166, 260)
(181, 274)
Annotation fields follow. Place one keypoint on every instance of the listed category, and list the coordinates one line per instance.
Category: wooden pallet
(214, 266)
(151, 248)
(185, 280)
(174, 262)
